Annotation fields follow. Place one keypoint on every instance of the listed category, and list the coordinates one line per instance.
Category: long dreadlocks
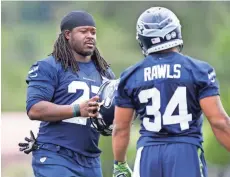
(62, 52)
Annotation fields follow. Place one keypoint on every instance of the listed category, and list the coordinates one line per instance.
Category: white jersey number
(73, 88)
(179, 98)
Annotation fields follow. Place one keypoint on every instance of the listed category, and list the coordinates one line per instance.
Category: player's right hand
(122, 170)
(29, 145)
(90, 107)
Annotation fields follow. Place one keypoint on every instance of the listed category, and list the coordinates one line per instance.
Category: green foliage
(26, 38)
(19, 52)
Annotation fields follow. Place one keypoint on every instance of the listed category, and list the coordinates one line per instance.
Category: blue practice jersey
(47, 81)
(165, 90)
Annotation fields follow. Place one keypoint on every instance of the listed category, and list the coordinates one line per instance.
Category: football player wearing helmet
(169, 91)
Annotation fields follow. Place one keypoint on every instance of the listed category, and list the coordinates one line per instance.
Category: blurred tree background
(29, 30)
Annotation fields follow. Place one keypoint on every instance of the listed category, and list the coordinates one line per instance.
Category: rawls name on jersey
(162, 71)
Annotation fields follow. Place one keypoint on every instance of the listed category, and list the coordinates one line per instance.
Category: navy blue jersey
(47, 81)
(165, 90)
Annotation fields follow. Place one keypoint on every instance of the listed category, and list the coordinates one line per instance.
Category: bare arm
(50, 112)
(121, 132)
(46, 111)
(218, 119)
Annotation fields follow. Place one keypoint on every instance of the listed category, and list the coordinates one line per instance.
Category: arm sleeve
(123, 95)
(207, 82)
(41, 80)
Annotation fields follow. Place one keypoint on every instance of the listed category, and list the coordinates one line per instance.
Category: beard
(84, 52)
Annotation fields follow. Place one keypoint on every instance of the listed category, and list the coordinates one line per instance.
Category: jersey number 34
(179, 99)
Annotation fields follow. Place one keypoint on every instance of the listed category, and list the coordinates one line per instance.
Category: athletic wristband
(76, 110)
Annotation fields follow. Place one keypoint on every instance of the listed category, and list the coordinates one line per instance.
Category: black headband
(76, 19)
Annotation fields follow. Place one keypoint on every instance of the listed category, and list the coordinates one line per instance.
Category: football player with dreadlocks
(169, 91)
(61, 94)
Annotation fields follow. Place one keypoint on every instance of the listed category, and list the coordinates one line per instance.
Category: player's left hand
(30, 145)
(121, 169)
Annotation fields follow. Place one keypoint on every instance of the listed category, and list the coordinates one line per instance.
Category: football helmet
(104, 122)
(158, 29)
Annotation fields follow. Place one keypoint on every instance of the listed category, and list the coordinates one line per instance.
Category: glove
(121, 169)
(30, 146)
